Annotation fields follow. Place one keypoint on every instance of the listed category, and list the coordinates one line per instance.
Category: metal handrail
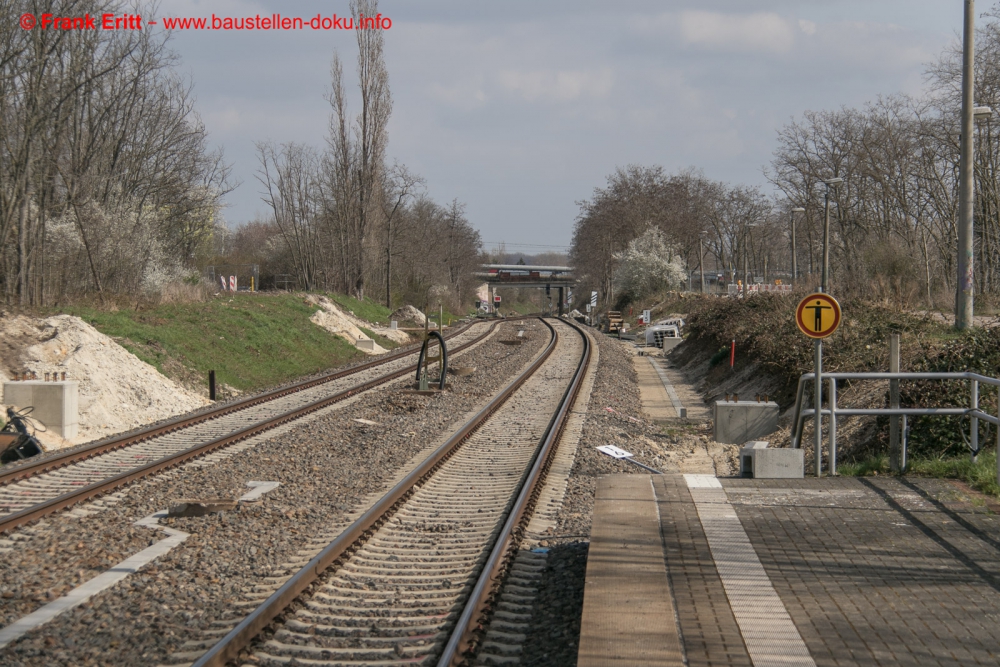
(833, 411)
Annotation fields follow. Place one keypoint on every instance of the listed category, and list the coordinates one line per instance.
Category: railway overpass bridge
(526, 275)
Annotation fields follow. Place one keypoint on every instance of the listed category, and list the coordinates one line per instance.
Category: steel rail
(66, 500)
(465, 634)
(115, 442)
(228, 648)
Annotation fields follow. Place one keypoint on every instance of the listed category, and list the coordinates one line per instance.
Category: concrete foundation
(56, 403)
(739, 421)
(764, 463)
(366, 345)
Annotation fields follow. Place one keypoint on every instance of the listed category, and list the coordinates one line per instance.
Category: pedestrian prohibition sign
(818, 315)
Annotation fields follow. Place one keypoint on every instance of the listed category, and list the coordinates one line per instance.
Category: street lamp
(830, 183)
(747, 251)
(795, 263)
(701, 259)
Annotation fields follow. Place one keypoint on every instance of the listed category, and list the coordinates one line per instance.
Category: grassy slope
(367, 310)
(251, 341)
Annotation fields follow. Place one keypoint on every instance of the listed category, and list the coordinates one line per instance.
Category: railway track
(411, 579)
(34, 490)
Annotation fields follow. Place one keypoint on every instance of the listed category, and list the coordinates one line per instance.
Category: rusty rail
(117, 442)
(109, 484)
(462, 642)
(230, 646)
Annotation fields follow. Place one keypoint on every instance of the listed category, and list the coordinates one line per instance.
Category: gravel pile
(117, 390)
(326, 468)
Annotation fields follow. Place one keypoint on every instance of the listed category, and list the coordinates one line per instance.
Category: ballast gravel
(614, 417)
(328, 468)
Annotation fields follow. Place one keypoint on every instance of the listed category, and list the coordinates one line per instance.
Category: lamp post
(795, 262)
(701, 259)
(830, 183)
(747, 252)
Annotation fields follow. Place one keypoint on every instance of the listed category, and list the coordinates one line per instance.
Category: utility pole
(795, 263)
(964, 291)
(830, 183)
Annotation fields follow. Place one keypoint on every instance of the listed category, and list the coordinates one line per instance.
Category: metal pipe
(964, 286)
(818, 414)
(833, 426)
(903, 458)
(894, 439)
(825, 285)
(973, 421)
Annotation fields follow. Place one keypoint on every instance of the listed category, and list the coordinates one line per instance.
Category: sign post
(818, 316)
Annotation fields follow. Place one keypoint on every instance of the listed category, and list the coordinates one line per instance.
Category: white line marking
(770, 635)
(85, 591)
(105, 580)
(259, 489)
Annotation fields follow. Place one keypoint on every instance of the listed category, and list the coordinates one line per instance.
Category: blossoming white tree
(647, 265)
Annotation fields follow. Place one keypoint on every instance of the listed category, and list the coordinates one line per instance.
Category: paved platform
(664, 391)
(833, 571)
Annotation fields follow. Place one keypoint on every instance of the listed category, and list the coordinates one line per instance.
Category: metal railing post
(833, 426)
(818, 417)
(895, 454)
(903, 457)
(973, 420)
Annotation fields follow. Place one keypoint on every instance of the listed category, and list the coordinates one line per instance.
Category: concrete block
(739, 421)
(363, 344)
(671, 343)
(765, 463)
(56, 403)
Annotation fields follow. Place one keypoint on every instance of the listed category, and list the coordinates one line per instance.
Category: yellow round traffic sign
(818, 315)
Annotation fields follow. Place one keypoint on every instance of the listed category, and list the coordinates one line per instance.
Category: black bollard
(211, 385)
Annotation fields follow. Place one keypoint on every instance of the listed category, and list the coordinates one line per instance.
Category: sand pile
(333, 319)
(117, 390)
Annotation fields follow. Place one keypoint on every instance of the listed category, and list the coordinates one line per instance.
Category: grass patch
(379, 340)
(520, 307)
(252, 341)
(367, 310)
(981, 475)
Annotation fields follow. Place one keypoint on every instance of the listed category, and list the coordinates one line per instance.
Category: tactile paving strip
(770, 635)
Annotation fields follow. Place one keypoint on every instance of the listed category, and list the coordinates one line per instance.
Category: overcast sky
(521, 108)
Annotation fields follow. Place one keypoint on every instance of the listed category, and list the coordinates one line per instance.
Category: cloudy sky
(521, 108)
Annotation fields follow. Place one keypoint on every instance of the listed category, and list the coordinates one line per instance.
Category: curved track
(415, 573)
(34, 490)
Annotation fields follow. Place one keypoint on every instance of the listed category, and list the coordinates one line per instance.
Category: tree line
(108, 185)
(348, 220)
(106, 181)
(893, 218)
